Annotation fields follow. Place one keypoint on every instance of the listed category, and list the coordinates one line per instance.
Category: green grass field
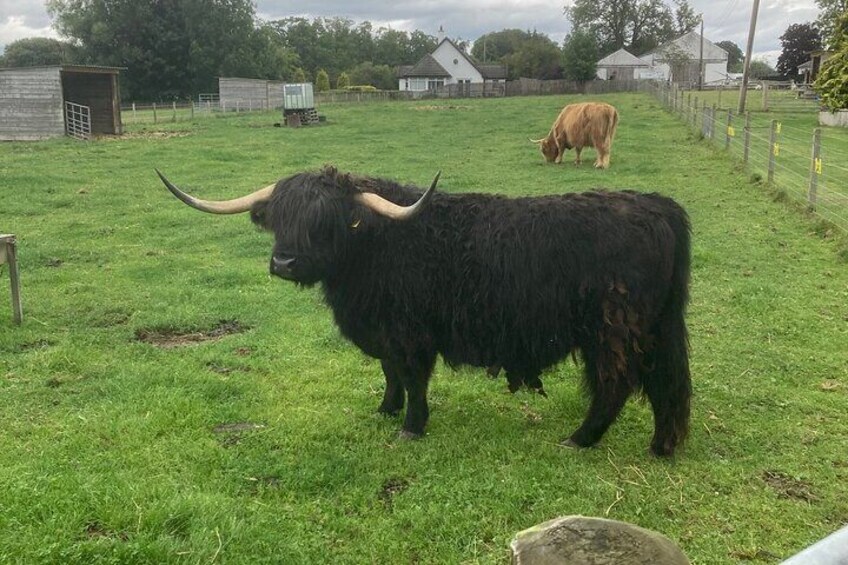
(166, 401)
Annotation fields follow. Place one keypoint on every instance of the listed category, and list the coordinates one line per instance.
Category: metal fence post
(815, 168)
(765, 95)
(774, 150)
(729, 133)
(747, 150)
(720, 88)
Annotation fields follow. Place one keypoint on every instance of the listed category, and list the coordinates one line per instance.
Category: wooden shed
(43, 102)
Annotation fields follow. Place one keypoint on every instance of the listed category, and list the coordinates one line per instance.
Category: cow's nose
(282, 267)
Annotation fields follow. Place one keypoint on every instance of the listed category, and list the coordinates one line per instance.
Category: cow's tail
(667, 382)
(612, 125)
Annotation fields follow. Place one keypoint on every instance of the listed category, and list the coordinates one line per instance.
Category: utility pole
(748, 51)
(701, 58)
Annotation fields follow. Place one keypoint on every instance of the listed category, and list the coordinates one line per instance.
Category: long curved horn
(537, 140)
(391, 210)
(235, 206)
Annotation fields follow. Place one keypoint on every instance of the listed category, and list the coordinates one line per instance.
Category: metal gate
(78, 121)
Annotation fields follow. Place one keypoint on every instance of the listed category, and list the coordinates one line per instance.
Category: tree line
(177, 48)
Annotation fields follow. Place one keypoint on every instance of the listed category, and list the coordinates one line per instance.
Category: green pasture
(166, 401)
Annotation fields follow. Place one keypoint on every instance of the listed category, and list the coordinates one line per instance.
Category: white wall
(455, 64)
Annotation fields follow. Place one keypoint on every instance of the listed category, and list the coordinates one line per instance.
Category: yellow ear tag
(355, 224)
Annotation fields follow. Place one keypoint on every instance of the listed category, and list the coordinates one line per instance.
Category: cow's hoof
(388, 412)
(662, 450)
(570, 443)
(407, 435)
(541, 391)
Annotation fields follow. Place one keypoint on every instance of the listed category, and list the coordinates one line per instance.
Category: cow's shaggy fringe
(516, 282)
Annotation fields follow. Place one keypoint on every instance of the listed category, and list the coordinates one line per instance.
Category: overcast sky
(723, 19)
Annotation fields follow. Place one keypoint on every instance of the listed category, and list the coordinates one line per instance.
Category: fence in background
(209, 104)
(809, 165)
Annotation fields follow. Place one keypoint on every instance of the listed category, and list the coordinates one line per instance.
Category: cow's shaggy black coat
(493, 281)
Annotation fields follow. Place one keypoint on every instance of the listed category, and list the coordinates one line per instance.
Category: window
(434, 83)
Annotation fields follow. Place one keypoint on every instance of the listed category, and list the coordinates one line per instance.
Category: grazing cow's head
(548, 147)
(311, 216)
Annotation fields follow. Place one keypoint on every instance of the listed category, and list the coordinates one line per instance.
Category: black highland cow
(490, 281)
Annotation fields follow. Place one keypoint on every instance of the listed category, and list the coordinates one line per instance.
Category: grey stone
(580, 540)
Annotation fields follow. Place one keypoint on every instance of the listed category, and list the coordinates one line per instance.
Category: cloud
(17, 27)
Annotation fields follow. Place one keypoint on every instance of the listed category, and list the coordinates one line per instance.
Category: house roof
(426, 67)
(690, 43)
(70, 68)
(621, 58)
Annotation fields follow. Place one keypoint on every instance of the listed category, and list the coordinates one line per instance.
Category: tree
(832, 80)
(171, 48)
(537, 57)
(639, 25)
(580, 56)
(299, 75)
(831, 10)
(526, 54)
(322, 81)
(680, 64)
(735, 57)
(378, 76)
(760, 69)
(38, 51)
(343, 81)
(797, 41)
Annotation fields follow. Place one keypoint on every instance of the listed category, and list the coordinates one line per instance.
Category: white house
(447, 65)
(686, 50)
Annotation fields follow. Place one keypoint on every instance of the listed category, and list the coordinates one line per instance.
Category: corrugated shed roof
(621, 58)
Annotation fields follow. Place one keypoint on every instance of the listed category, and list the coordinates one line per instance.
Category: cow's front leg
(394, 394)
(577, 151)
(415, 377)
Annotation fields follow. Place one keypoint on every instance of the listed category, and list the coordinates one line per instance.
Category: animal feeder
(8, 254)
(299, 105)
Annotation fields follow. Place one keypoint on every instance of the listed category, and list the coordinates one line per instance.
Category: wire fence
(808, 164)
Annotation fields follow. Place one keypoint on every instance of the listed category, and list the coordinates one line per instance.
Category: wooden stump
(8, 254)
(293, 120)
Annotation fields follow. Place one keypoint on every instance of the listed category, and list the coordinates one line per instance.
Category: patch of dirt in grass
(98, 530)
(145, 135)
(789, 487)
(448, 107)
(168, 338)
(233, 432)
(54, 263)
(224, 370)
(391, 488)
(758, 554)
(37, 344)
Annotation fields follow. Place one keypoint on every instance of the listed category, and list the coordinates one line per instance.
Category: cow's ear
(259, 214)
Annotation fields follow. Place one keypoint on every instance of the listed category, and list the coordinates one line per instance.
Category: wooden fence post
(774, 150)
(712, 121)
(765, 95)
(720, 88)
(747, 150)
(729, 133)
(134, 118)
(8, 254)
(192, 109)
(154, 112)
(695, 113)
(174, 107)
(815, 168)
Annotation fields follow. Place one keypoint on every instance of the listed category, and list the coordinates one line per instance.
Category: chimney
(441, 35)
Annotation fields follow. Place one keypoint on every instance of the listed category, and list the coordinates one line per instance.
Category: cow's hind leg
(666, 382)
(608, 394)
(393, 396)
(415, 378)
